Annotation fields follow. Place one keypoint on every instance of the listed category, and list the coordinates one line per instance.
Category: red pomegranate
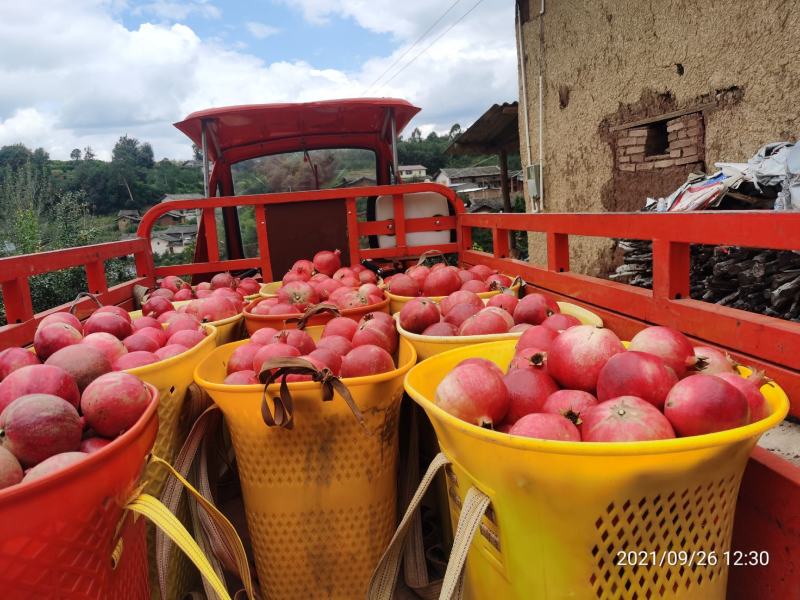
(485, 322)
(533, 309)
(186, 338)
(537, 336)
(505, 301)
(84, 363)
(163, 293)
(182, 295)
(458, 298)
(404, 285)
(441, 329)
(109, 323)
(460, 313)
(529, 358)
(169, 351)
(419, 314)
(560, 322)
(107, 344)
(144, 322)
(750, 387)
(304, 265)
(39, 379)
(293, 276)
(327, 287)
(155, 306)
(62, 317)
(376, 332)
(211, 309)
(497, 281)
(624, 419)
(263, 336)
(133, 360)
(441, 282)
(578, 354)
(569, 403)
(140, 342)
(286, 309)
(157, 334)
(249, 286)
(419, 273)
(10, 469)
(637, 374)
(242, 358)
(528, 389)
(336, 343)
(503, 314)
(367, 276)
(182, 322)
(116, 310)
(474, 392)
(340, 326)
(330, 359)
(54, 464)
(273, 351)
(366, 360)
(113, 402)
(475, 286)
(546, 426)
(297, 338)
(702, 404)
(482, 271)
(172, 283)
(327, 262)
(93, 444)
(345, 273)
(246, 377)
(12, 359)
(222, 280)
(711, 361)
(520, 327)
(669, 344)
(54, 337)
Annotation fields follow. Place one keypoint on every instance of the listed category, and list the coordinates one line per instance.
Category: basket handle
(74, 307)
(495, 285)
(225, 544)
(311, 311)
(429, 254)
(282, 412)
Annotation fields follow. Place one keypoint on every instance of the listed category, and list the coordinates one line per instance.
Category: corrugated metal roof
(495, 130)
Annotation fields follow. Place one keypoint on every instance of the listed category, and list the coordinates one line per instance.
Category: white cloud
(177, 11)
(260, 30)
(95, 80)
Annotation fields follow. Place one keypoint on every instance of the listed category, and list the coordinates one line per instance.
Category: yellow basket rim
(211, 336)
(401, 370)
(367, 308)
(515, 287)
(179, 303)
(780, 409)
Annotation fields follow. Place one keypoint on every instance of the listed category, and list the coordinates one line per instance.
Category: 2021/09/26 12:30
(734, 558)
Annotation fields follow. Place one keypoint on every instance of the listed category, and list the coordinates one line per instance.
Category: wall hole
(679, 69)
(657, 141)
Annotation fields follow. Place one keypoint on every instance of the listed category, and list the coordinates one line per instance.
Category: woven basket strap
(429, 254)
(312, 311)
(384, 578)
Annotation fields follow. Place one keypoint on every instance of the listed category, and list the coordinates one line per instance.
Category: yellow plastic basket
(270, 289)
(397, 302)
(563, 515)
(320, 498)
(431, 345)
(228, 330)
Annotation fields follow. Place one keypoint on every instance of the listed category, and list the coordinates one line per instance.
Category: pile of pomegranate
(581, 384)
(220, 299)
(175, 289)
(464, 313)
(346, 347)
(443, 280)
(53, 415)
(324, 279)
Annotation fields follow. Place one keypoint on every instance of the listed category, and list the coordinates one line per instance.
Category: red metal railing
(399, 226)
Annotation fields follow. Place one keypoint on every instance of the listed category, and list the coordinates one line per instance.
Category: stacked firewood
(756, 280)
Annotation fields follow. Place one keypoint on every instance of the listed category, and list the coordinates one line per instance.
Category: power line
(417, 41)
(440, 36)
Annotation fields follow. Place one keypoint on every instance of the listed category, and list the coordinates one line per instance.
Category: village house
(410, 173)
(173, 240)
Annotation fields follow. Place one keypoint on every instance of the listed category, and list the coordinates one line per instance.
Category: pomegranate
(528, 389)
(711, 361)
(669, 344)
(377, 316)
(484, 362)
(475, 286)
(249, 286)
(441, 329)
(182, 322)
(305, 266)
(538, 336)
(263, 336)
(376, 333)
(482, 271)
(93, 444)
(62, 317)
(293, 276)
(263, 307)
(560, 322)
(503, 314)
(182, 295)
(702, 404)
(458, 298)
(351, 282)
(241, 359)
(441, 282)
(327, 357)
(625, 419)
(298, 292)
(84, 363)
(578, 354)
(327, 262)
(157, 334)
(286, 309)
(273, 351)
(54, 464)
(336, 343)
(169, 316)
(116, 310)
(366, 360)
(203, 293)
(140, 342)
(750, 387)
(358, 268)
(367, 276)
(418, 273)
(546, 426)
(485, 322)
(505, 301)
(114, 402)
(297, 338)
(460, 313)
(244, 377)
(133, 360)
(352, 299)
(569, 403)
(10, 469)
(404, 285)
(529, 358)
(370, 289)
(474, 392)
(326, 288)
(340, 326)
(520, 327)
(339, 293)
(637, 374)
(36, 426)
(163, 293)
(155, 306)
(144, 322)
(108, 323)
(213, 308)
(344, 272)
(172, 283)
(418, 314)
(186, 338)
(170, 350)
(222, 280)
(203, 285)
(438, 266)
(53, 337)
(12, 359)
(39, 379)
(533, 309)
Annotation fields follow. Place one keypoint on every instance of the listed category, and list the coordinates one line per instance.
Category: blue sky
(77, 73)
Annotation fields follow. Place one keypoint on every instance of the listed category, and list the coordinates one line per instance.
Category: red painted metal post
(352, 230)
(210, 228)
(96, 277)
(671, 264)
(500, 244)
(263, 242)
(557, 252)
(399, 221)
(17, 300)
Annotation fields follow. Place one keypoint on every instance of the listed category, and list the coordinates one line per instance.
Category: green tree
(75, 154)
(455, 131)
(88, 153)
